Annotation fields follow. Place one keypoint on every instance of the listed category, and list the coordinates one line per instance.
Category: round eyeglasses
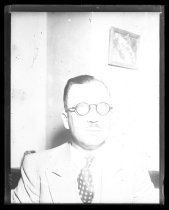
(84, 108)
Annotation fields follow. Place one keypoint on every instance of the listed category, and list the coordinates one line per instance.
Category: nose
(93, 116)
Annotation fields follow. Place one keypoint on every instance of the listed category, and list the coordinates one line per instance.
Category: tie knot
(89, 161)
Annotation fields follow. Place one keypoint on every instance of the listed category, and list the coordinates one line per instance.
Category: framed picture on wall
(123, 48)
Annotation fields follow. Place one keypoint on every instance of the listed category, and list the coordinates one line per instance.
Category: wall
(77, 43)
(69, 46)
(28, 84)
(137, 98)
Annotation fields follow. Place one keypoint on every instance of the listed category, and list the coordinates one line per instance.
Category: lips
(92, 130)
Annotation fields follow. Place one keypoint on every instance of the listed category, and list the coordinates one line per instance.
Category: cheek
(105, 122)
(76, 124)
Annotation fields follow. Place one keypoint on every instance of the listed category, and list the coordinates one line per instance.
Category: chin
(90, 146)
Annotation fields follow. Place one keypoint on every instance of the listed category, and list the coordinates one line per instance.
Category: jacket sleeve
(28, 187)
(143, 189)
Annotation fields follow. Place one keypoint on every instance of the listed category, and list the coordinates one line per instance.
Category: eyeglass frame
(89, 105)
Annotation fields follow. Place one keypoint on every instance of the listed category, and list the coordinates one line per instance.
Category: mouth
(93, 130)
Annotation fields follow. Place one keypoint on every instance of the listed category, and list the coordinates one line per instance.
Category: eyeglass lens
(84, 108)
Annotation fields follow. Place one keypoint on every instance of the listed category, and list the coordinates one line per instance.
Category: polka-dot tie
(85, 183)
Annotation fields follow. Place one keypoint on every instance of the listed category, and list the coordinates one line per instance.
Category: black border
(162, 109)
(85, 8)
(7, 92)
(78, 8)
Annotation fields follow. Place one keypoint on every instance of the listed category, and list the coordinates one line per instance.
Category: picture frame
(123, 48)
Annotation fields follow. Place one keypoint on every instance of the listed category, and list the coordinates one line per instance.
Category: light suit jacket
(47, 177)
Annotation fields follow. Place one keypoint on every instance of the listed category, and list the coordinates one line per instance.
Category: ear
(65, 120)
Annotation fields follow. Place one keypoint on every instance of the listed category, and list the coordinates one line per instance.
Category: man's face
(91, 130)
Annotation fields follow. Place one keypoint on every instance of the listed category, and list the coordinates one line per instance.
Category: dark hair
(82, 79)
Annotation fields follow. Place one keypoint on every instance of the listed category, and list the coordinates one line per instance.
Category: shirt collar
(79, 155)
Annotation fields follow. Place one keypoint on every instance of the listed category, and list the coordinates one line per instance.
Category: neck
(87, 152)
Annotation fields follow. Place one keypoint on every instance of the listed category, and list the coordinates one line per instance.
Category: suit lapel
(115, 187)
(60, 178)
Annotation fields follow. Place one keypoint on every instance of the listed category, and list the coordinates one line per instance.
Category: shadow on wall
(60, 137)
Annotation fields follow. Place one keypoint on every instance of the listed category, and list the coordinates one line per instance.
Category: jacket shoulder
(42, 158)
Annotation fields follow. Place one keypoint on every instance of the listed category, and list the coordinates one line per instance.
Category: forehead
(91, 92)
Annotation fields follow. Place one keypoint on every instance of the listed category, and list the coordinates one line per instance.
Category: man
(85, 169)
